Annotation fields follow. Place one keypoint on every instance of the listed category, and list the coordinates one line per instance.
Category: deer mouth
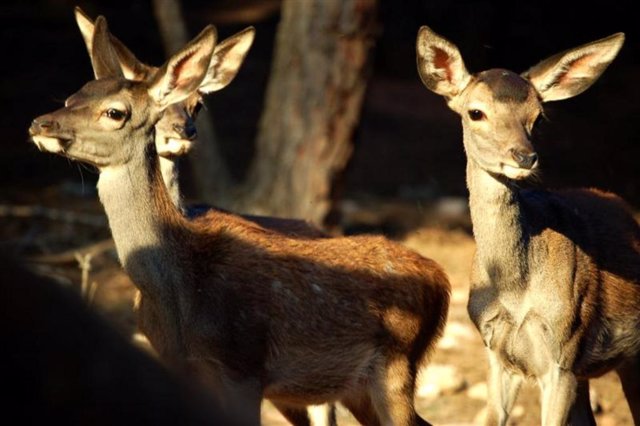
(174, 147)
(515, 172)
(56, 145)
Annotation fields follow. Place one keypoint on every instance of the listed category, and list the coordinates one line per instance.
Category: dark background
(408, 144)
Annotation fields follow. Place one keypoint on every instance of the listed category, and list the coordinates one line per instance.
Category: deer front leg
(239, 397)
(559, 395)
(503, 388)
(295, 415)
(581, 413)
(629, 374)
(322, 415)
(243, 401)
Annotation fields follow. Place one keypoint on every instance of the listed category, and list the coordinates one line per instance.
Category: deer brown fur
(555, 283)
(251, 312)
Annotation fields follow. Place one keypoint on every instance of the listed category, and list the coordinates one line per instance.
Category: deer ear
(86, 26)
(103, 57)
(183, 73)
(132, 68)
(440, 64)
(571, 72)
(226, 60)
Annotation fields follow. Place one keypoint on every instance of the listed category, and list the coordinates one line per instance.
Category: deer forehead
(499, 89)
(107, 91)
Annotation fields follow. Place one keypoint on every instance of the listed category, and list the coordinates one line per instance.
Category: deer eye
(476, 115)
(115, 114)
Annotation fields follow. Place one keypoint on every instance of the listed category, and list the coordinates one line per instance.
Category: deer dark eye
(115, 114)
(476, 115)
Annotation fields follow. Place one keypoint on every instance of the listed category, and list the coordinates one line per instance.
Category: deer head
(176, 131)
(499, 108)
(103, 122)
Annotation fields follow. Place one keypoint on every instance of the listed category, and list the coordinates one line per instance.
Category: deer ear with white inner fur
(440, 64)
(571, 72)
(226, 60)
(183, 73)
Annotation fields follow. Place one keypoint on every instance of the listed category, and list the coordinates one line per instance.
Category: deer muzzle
(45, 133)
(524, 159)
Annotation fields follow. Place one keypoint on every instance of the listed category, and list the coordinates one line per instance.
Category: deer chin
(49, 144)
(515, 173)
(174, 147)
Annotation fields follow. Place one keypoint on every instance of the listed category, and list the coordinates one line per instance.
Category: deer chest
(519, 332)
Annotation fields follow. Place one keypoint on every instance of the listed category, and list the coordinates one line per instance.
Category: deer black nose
(43, 124)
(187, 131)
(525, 159)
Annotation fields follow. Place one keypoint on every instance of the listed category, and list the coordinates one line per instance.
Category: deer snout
(187, 131)
(524, 159)
(43, 125)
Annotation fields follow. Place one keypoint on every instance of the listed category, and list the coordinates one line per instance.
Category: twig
(94, 249)
(84, 263)
(92, 292)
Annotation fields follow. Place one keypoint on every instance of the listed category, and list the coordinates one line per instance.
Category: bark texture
(312, 107)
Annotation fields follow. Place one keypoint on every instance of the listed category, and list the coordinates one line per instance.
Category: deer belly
(319, 378)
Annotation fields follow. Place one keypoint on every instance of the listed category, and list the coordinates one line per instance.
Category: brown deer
(555, 283)
(253, 313)
(175, 135)
(176, 131)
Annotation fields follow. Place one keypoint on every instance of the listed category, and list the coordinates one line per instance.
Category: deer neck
(499, 227)
(169, 168)
(144, 222)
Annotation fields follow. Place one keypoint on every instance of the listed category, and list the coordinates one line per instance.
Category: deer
(250, 312)
(175, 136)
(176, 132)
(555, 280)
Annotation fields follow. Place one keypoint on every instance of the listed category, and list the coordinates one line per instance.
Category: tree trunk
(312, 107)
(211, 176)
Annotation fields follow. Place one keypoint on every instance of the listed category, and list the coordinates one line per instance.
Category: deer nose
(525, 159)
(187, 131)
(41, 124)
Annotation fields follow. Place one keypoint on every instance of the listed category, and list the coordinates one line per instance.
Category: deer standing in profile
(555, 283)
(251, 312)
(175, 135)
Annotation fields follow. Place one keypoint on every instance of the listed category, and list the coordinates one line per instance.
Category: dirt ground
(452, 388)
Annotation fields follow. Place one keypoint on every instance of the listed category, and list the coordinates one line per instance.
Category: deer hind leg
(392, 390)
(629, 374)
(503, 388)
